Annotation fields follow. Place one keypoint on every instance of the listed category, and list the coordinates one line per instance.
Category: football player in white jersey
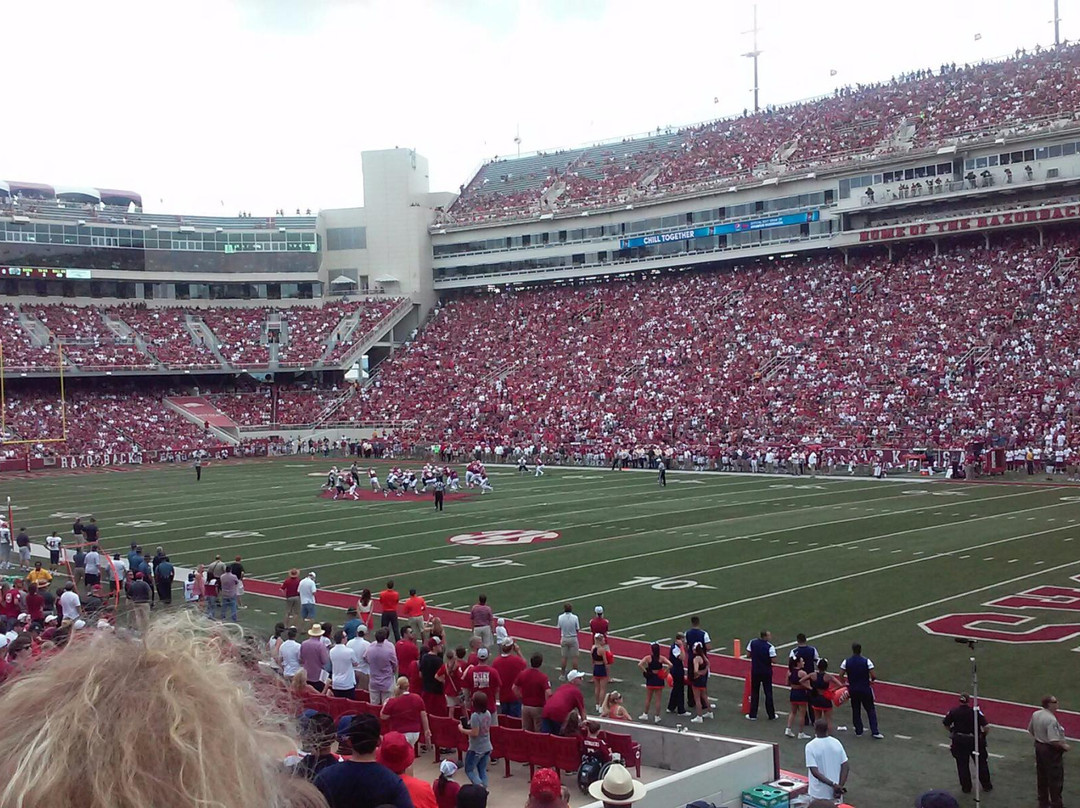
(373, 479)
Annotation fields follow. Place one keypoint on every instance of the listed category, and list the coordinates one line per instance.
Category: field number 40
(662, 584)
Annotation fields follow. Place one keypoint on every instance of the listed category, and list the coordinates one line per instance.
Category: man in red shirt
(388, 602)
(406, 648)
(482, 677)
(413, 610)
(568, 697)
(599, 624)
(290, 587)
(509, 665)
(532, 688)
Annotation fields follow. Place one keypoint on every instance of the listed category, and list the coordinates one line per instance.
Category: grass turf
(840, 560)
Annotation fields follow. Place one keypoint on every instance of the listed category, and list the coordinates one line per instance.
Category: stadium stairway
(200, 411)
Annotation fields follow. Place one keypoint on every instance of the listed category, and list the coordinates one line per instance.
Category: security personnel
(761, 652)
(198, 466)
(661, 468)
(857, 673)
(440, 488)
(960, 722)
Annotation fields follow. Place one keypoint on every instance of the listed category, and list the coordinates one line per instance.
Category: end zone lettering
(89, 461)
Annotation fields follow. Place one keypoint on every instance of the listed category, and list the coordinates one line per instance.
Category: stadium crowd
(918, 110)
(973, 343)
(241, 335)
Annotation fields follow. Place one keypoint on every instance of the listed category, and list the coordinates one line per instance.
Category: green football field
(839, 559)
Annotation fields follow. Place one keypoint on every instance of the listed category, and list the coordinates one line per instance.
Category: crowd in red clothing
(103, 423)
(918, 110)
(241, 335)
(922, 350)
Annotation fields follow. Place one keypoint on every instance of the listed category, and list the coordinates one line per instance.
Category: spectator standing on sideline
(164, 575)
(694, 635)
(960, 722)
(351, 623)
(1050, 747)
(826, 763)
(22, 542)
(306, 592)
(509, 665)
(78, 561)
(70, 603)
(290, 588)
(388, 603)
(198, 467)
(140, 594)
(237, 569)
(599, 624)
(761, 653)
(91, 531)
(483, 622)
(533, 689)
(661, 472)
(228, 586)
(413, 611)
(360, 782)
(558, 707)
(382, 667)
(569, 626)
(857, 672)
(314, 657)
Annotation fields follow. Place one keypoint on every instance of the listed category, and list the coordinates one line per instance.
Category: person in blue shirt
(360, 782)
(857, 672)
(761, 653)
(351, 623)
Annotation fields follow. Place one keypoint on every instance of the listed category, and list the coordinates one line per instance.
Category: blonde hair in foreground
(170, 720)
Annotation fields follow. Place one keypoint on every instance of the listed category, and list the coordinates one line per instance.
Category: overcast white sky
(213, 106)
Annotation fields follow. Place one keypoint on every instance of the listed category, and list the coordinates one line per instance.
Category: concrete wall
(704, 767)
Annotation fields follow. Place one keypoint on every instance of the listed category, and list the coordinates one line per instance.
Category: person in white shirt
(343, 663)
(826, 763)
(70, 603)
(289, 654)
(93, 567)
(568, 638)
(53, 544)
(359, 644)
(306, 591)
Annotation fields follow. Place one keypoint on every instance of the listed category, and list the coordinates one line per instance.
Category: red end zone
(375, 496)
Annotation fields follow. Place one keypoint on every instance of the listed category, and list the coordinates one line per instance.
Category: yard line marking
(636, 636)
(521, 616)
(898, 551)
(938, 602)
(1013, 560)
(873, 549)
(988, 558)
(471, 518)
(1037, 563)
(918, 552)
(840, 578)
(903, 737)
(965, 556)
(685, 547)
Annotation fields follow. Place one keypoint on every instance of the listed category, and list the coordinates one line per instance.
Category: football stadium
(734, 463)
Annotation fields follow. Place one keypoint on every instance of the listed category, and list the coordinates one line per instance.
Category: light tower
(755, 53)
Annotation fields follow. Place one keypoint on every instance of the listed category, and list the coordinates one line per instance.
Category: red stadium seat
(628, 749)
(446, 734)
